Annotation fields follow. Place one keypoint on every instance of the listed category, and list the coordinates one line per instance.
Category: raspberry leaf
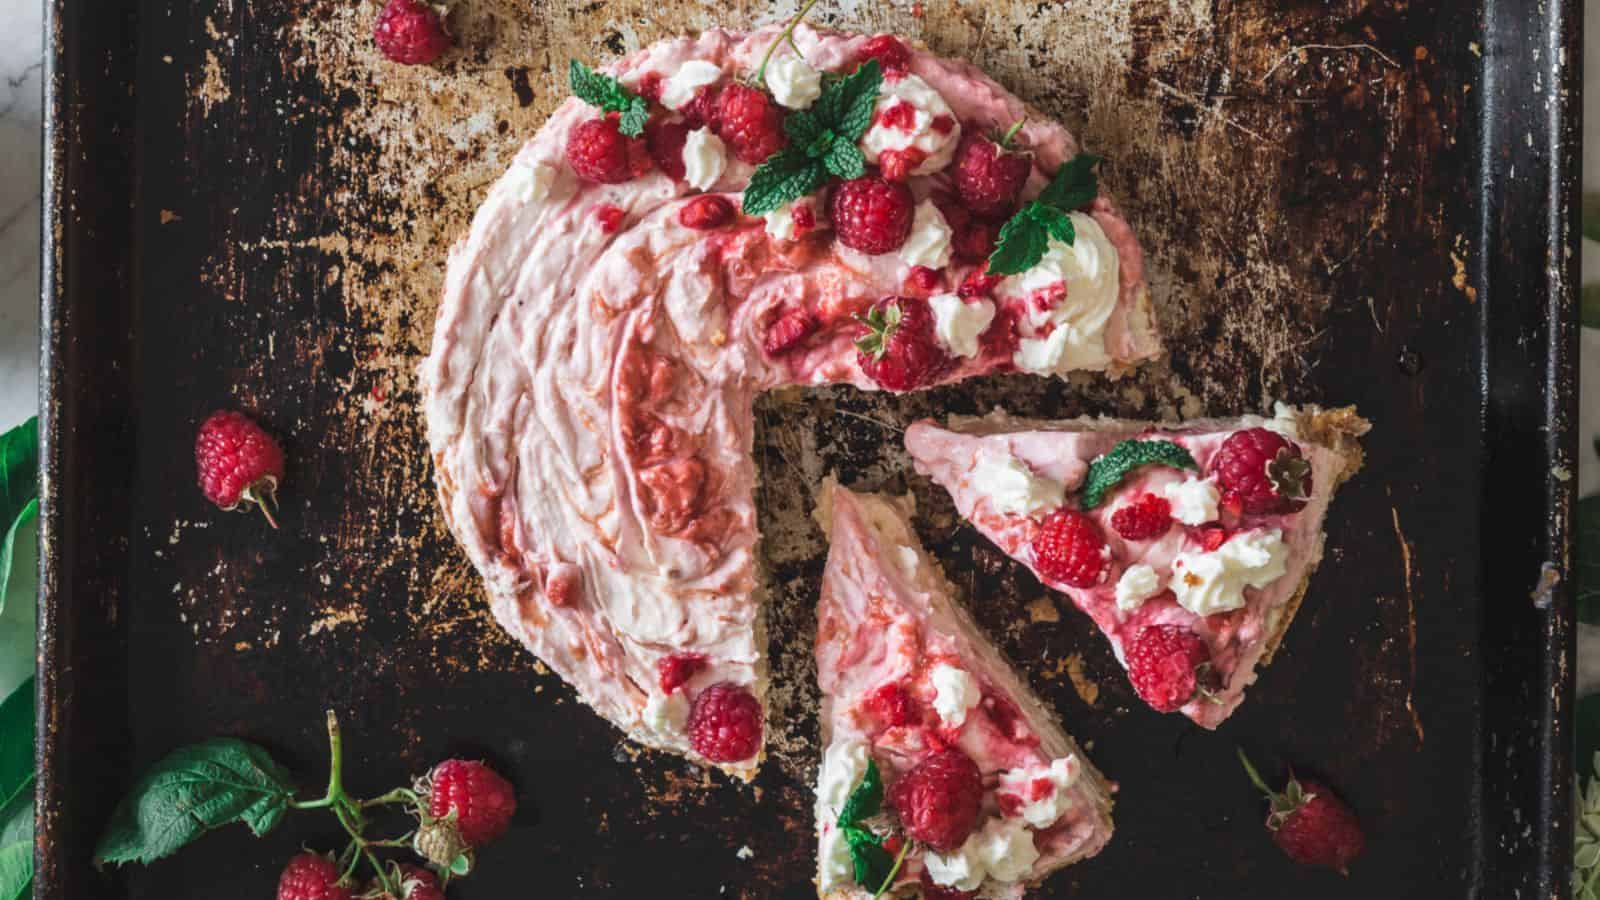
(785, 177)
(1107, 471)
(607, 94)
(867, 798)
(845, 160)
(872, 863)
(1074, 186)
(194, 790)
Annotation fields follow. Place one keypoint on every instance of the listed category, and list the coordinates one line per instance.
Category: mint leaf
(1055, 223)
(1020, 246)
(845, 160)
(608, 94)
(870, 861)
(867, 798)
(1074, 185)
(1107, 471)
(854, 99)
(802, 127)
(19, 490)
(786, 176)
(193, 790)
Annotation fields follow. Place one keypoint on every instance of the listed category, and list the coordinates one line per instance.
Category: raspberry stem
(263, 494)
(1005, 140)
(785, 35)
(1255, 777)
(889, 879)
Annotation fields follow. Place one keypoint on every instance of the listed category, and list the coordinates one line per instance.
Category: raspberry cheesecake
(1191, 546)
(942, 775)
(707, 219)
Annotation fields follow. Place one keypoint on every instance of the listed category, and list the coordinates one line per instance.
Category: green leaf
(191, 791)
(845, 160)
(856, 98)
(1074, 185)
(634, 117)
(802, 127)
(1589, 305)
(871, 862)
(867, 798)
(786, 176)
(1588, 560)
(1056, 223)
(16, 744)
(1107, 471)
(1022, 243)
(608, 94)
(16, 870)
(19, 490)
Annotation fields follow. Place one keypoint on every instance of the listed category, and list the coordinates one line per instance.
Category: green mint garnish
(873, 865)
(822, 143)
(867, 798)
(608, 94)
(1026, 236)
(1107, 471)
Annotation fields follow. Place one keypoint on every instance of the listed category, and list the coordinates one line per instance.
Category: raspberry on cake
(612, 314)
(1091, 505)
(991, 793)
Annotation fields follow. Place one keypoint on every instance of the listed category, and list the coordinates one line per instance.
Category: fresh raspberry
(922, 281)
(1209, 537)
(677, 669)
(898, 165)
(897, 347)
(871, 215)
(311, 876)
(725, 723)
(482, 801)
(1263, 471)
(891, 54)
(410, 32)
(939, 799)
(1168, 664)
(979, 283)
(891, 705)
(1069, 549)
(706, 212)
(750, 123)
(932, 890)
(1007, 719)
(1147, 517)
(974, 241)
(610, 217)
(417, 883)
(805, 219)
(665, 139)
(988, 177)
(599, 151)
(701, 110)
(789, 331)
(1309, 821)
(649, 86)
(238, 462)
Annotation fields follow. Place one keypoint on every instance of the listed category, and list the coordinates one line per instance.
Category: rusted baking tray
(1367, 201)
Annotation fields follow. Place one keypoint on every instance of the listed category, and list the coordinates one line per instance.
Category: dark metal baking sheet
(1362, 202)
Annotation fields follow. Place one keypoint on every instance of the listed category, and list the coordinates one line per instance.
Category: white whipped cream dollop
(1209, 583)
(927, 106)
(1012, 487)
(906, 558)
(667, 714)
(704, 158)
(793, 82)
(1194, 500)
(687, 81)
(843, 765)
(1284, 421)
(531, 184)
(959, 324)
(955, 693)
(1003, 850)
(928, 244)
(1043, 790)
(1139, 582)
(960, 868)
(1089, 271)
(781, 223)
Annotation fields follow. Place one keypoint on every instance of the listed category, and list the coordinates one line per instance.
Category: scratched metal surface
(1356, 202)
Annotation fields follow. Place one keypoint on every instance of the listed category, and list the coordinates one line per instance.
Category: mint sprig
(822, 143)
(1107, 471)
(1026, 236)
(608, 94)
(871, 862)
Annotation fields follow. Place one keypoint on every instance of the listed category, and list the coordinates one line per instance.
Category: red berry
(610, 217)
(649, 86)
(701, 110)
(891, 705)
(988, 177)
(979, 283)
(897, 347)
(1263, 471)
(974, 240)
(1209, 537)
(939, 799)
(891, 54)
(417, 883)
(1068, 549)
(706, 212)
(1147, 517)
(923, 281)
(1309, 821)
(482, 801)
(311, 876)
(788, 332)
(725, 723)
(238, 462)
(943, 123)
(665, 139)
(898, 165)
(871, 215)
(805, 219)
(410, 32)
(932, 890)
(599, 151)
(750, 123)
(1167, 665)
(677, 669)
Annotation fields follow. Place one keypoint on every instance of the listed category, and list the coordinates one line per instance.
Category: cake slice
(1191, 545)
(934, 748)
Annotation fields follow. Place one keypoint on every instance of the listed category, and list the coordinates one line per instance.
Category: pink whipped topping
(588, 393)
(884, 622)
(1237, 638)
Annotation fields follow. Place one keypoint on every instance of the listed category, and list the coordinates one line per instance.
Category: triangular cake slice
(1191, 545)
(982, 791)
